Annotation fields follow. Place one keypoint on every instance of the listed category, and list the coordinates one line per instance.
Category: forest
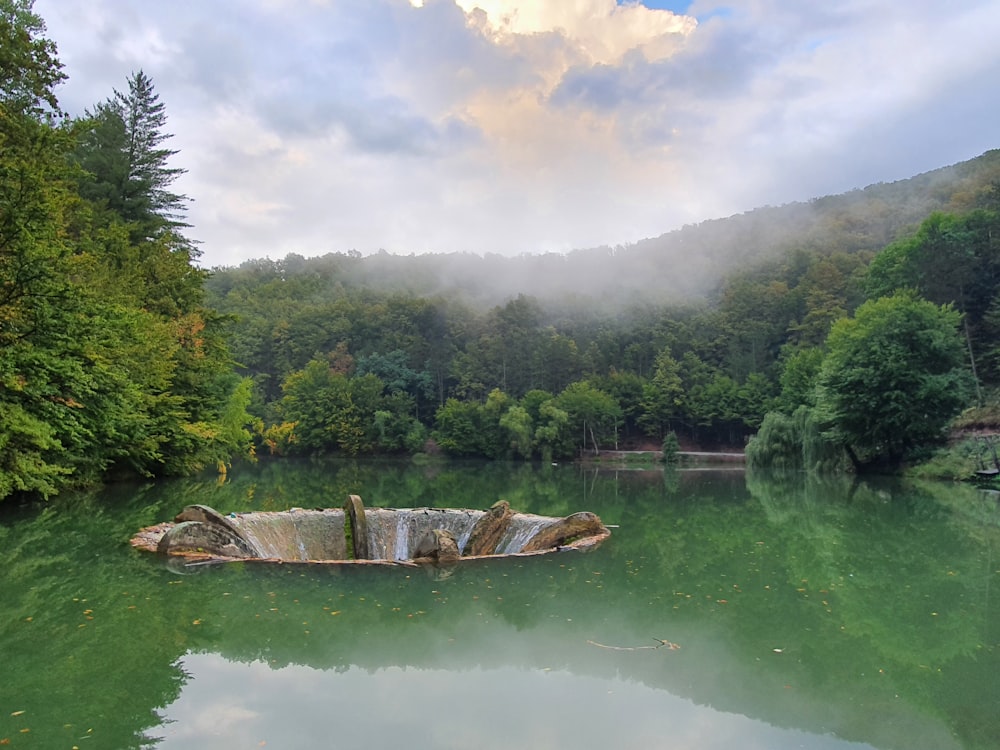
(846, 332)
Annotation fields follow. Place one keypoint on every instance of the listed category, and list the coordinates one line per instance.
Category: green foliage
(594, 416)
(517, 423)
(662, 396)
(798, 378)
(951, 259)
(892, 378)
(35, 258)
(552, 435)
(121, 151)
(776, 444)
(629, 390)
(793, 443)
(26, 444)
(331, 411)
(457, 428)
(820, 452)
(397, 426)
(237, 427)
(671, 449)
(957, 462)
(394, 370)
(464, 428)
(29, 70)
(756, 398)
(108, 360)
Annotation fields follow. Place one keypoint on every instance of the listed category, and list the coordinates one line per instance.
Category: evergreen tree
(122, 151)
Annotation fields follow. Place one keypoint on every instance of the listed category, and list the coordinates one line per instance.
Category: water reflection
(300, 707)
(809, 614)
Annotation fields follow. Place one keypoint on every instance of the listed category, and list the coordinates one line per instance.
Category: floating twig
(660, 643)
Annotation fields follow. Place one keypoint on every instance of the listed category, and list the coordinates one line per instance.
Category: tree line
(110, 360)
(861, 357)
(850, 341)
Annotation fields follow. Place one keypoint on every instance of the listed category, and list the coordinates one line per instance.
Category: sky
(530, 126)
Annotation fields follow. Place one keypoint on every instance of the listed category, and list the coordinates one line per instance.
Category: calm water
(809, 615)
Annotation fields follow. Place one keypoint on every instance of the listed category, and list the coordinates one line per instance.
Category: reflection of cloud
(213, 718)
(299, 707)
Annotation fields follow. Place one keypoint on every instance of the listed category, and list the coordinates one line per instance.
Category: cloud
(600, 31)
(507, 126)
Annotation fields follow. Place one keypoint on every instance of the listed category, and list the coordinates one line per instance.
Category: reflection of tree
(975, 513)
(887, 566)
(899, 568)
(843, 588)
(72, 659)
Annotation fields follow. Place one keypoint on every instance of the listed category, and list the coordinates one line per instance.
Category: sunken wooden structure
(355, 534)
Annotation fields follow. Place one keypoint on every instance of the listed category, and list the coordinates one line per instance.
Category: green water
(814, 615)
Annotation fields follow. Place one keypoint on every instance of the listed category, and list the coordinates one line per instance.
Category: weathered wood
(209, 538)
(489, 529)
(558, 533)
(359, 527)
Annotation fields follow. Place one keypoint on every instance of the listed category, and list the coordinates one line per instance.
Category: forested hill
(677, 267)
(700, 332)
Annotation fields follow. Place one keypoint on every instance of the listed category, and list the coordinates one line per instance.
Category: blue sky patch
(677, 6)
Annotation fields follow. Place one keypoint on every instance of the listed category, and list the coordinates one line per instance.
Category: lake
(817, 614)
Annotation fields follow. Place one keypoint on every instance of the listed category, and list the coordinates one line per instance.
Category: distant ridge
(680, 266)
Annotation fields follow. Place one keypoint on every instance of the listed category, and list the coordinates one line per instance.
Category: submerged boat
(355, 534)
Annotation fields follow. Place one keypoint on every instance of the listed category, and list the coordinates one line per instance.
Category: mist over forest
(700, 335)
(677, 267)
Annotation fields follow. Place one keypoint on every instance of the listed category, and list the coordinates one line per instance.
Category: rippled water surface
(818, 615)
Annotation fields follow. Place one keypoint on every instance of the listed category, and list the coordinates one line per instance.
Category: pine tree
(122, 150)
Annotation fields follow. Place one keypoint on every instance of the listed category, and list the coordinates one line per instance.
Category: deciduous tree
(892, 378)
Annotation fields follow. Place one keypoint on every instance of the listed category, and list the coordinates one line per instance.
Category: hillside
(678, 267)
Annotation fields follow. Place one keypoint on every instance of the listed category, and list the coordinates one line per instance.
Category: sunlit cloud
(522, 126)
(600, 31)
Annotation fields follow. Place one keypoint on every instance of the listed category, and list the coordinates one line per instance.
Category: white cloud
(506, 126)
(601, 31)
